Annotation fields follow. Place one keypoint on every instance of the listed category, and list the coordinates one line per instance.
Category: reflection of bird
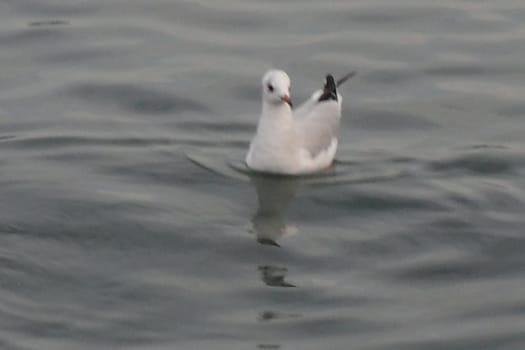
(275, 315)
(274, 194)
(273, 276)
(268, 346)
(300, 141)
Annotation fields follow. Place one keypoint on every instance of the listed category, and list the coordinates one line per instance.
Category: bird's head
(276, 87)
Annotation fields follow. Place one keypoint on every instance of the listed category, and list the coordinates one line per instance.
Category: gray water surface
(113, 237)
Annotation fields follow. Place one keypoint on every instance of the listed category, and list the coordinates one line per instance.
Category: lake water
(123, 225)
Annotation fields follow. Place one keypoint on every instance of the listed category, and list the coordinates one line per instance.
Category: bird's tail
(344, 78)
(330, 86)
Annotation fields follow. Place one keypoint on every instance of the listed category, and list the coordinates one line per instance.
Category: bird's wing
(307, 106)
(328, 92)
(317, 127)
(317, 119)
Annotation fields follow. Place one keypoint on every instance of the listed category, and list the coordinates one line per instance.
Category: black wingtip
(268, 241)
(329, 90)
(330, 83)
(344, 78)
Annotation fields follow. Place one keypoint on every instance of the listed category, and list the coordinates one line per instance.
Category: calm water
(122, 225)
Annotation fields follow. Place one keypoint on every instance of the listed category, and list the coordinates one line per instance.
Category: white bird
(295, 142)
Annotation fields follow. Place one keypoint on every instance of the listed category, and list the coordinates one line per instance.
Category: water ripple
(135, 99)
(481, 163)
(129, 219)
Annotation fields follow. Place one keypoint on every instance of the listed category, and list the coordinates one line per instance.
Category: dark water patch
(404, 160)
(467, 70)
(375, 157)
(389, 121)
(79, 222)
(289, 300)
(29, 275)
(487, 163)
(228, 144)
(6, 137)
(514, 308)
(381, 16)
(449, 224)
(48, 23)
(268, 346)
(327, 326)
(412, 239)
(484, 146)
(513, 12)
(504, 46)
(506, 248)
(174, 170)
(516, 110)
(370, 201)
(49, 142)
(5, 344)
(60, 327)
(211, 143)
(248, 92)
(269, 316)
(12, 265)
(503, 200)
(364, 252)
(223, 126)
(79, 228)
(388, 76)
(274, 276)
(22, 125)
(31, 36)
(8, 228)
(55, 9)
(391, 246)
(463, 200)
(405, 15)
(75, 56)
(76, 156)
(196, 14)
(456, 107)
(445, 272)
(475, 264)
(135, 99)
(508, 340)
(465, 232)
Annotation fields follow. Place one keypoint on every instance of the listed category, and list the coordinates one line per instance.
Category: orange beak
(286, 98)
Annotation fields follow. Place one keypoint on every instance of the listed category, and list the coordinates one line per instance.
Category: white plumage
(295, 142)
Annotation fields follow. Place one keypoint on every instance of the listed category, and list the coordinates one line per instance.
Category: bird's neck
(275, 117)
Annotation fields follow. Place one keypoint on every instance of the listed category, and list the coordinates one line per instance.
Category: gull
(300, 141)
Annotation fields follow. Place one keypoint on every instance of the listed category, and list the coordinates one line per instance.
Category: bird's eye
(270, 87)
